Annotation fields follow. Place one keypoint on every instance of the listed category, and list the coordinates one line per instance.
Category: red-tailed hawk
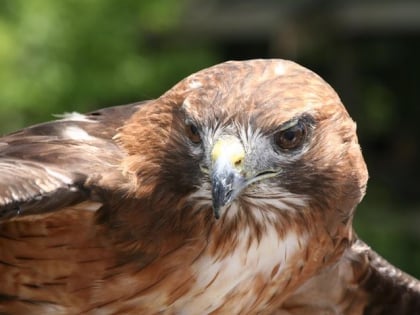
(232, 193)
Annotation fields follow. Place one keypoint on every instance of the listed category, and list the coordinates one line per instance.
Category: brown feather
(111, 212)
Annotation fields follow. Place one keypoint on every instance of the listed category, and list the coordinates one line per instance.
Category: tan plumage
(115, 211)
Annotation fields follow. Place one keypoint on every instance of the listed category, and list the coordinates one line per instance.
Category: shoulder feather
(51, 165)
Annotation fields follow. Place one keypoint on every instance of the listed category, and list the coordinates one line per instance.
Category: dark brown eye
(292, 137)
(192, 133)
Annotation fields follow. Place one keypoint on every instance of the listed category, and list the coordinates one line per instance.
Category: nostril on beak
(238, 163)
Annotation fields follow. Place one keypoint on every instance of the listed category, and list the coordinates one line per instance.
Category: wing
(389, 290)
(52, 165)
(360, 283)
(52, 176)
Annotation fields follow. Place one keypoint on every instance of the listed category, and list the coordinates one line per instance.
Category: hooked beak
(227, 176)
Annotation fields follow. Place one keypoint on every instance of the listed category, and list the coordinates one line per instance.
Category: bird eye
(292, 137)
(192, 133)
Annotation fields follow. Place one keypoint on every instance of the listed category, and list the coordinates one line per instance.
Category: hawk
(232, 193)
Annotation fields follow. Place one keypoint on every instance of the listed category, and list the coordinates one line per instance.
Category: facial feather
(290, 216)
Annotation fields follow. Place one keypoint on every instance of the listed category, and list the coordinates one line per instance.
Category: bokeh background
(75, 55)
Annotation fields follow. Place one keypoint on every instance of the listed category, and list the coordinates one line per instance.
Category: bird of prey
(232, 193)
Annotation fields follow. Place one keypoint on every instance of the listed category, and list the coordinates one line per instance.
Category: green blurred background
(79, 55)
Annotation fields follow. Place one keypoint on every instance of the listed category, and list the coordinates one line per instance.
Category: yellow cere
(230, 149)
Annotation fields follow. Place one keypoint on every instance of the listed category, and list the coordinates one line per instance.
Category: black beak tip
(221, 199)
(216, 213)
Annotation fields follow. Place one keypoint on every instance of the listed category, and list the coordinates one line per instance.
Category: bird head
(253, 138)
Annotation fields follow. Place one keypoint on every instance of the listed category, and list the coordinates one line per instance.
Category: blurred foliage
(391, 228)
(68, 55)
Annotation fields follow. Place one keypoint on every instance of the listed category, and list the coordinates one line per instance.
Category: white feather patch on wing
(62, 178)
(76, 133)
(74, 116)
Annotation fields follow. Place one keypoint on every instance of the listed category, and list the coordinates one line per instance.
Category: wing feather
(389, 290)
(52, 165)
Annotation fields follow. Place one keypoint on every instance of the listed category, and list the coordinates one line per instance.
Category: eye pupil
(292, 137)
(193, 133)
(193, 130)
(289, 135)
